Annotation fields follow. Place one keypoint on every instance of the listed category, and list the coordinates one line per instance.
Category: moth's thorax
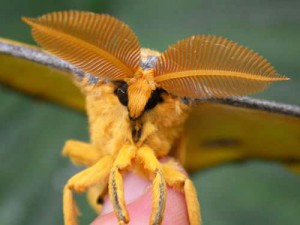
(111, 123)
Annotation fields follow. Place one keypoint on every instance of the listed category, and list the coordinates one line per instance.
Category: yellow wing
(220, 132)
(242, 128)
(34, 72)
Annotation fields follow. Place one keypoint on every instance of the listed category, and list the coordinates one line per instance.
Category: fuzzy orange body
(110, 126)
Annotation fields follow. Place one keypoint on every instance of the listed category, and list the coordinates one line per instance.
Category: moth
(138, 100)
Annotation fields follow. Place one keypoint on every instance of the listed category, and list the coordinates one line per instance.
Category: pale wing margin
(37, 55)
(257, 104)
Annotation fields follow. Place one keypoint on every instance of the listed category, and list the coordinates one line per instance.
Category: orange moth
(138, 100)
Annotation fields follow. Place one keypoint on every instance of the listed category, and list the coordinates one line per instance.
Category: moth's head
(140, 93)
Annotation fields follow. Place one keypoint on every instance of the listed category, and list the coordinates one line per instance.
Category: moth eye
(154, 99)
(121, 93)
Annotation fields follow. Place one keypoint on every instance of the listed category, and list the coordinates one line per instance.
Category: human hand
(138, 196)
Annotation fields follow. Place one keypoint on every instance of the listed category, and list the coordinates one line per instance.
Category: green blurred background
(33, 132)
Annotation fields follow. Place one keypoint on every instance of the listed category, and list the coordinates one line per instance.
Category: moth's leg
(95, 196)
(80, 183)
(149, 162)
(81, 153)
(179, 181)
(116, 186)
(178, 150)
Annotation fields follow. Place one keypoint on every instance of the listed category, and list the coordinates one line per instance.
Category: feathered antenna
(205, 66)
(97, 44)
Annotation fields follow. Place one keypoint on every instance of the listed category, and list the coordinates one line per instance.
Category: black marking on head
(154, 99)
(121, 92)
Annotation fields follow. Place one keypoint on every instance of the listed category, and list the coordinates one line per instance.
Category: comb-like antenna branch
(97, 44)
(210, 66)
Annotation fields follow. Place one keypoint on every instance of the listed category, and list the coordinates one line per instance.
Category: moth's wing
(35, 72)
(236, 129)
(293, 166)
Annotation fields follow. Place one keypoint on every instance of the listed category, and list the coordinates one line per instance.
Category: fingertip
(140, 208)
